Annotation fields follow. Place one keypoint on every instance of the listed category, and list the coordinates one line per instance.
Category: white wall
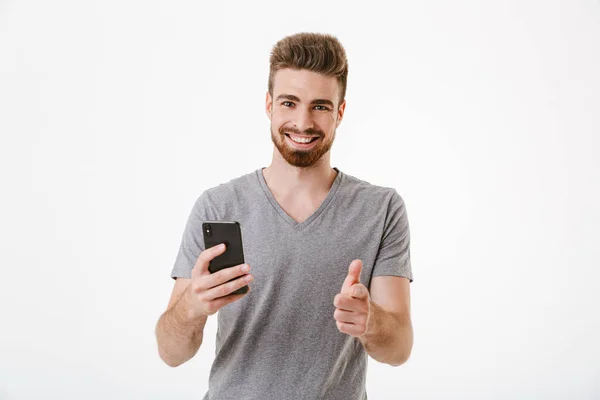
(483, 115)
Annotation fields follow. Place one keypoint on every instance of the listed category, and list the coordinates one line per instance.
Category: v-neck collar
(291, 221)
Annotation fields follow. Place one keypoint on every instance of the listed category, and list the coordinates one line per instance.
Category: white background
(115, 116)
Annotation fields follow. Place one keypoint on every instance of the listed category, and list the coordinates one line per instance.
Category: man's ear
(268, 105)
(341, 110)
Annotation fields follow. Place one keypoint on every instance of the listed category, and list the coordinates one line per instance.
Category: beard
(301, 158)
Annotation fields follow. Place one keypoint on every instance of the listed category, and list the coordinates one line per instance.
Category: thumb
(353, 276)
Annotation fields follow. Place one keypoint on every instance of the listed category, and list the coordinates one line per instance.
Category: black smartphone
(230, 233)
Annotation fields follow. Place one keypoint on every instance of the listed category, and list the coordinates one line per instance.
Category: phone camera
(208, 230)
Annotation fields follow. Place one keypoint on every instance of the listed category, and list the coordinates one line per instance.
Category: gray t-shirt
(281, 341)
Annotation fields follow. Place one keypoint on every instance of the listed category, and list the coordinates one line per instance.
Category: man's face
(304, 106)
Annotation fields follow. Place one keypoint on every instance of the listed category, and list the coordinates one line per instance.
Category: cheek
(276, 123)
(327, 122)
(279, 118)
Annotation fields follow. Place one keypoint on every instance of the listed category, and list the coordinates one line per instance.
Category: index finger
(201, 267)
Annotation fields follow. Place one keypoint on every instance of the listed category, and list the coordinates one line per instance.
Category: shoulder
(368, 193)
(217, 199)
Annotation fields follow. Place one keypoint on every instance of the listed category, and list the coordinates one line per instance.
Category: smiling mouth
(301, 139)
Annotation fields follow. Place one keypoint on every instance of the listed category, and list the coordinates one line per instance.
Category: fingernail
(248, 278)
(221, 246)
(245, 268)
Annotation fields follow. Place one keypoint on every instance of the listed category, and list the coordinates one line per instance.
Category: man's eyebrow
(296, 98)
(288, 97)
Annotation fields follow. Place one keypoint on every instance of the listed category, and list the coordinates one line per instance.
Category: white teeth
(300, 139)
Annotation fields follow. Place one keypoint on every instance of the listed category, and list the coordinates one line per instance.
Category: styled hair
(317, 52)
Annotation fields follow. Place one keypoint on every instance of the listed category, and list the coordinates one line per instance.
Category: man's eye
(285, 103)
(323, 108)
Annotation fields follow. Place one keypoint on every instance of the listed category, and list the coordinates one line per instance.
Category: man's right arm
(178, 332)
(180, 329)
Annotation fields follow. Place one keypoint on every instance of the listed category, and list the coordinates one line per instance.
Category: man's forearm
(178, 333)
(389, 337)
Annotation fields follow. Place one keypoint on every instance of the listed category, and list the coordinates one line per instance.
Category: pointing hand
(353, 307)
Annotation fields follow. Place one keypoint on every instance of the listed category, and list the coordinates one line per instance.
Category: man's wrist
(187, 311)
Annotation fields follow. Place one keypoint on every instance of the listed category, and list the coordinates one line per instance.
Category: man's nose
(304, 120)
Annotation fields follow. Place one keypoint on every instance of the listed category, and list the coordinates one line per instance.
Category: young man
(327, 255)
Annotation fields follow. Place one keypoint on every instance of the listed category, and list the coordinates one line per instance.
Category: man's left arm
(381, 318)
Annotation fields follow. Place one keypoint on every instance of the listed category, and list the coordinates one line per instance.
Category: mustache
(308, 132)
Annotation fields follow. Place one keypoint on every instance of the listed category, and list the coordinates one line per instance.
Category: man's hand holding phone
(208, 293)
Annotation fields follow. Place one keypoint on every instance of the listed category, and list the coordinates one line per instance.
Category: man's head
(306, 95)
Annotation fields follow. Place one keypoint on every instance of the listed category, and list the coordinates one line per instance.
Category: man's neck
(286, 180)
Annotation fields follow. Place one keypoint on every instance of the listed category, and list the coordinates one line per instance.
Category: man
(327, 255)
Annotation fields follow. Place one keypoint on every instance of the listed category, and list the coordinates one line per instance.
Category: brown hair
(317, 52)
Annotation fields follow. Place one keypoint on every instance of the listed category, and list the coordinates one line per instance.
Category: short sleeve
(393, 257)
(192, 241)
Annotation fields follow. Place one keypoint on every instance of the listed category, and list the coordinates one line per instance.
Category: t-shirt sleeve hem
(182, 272)
(392, 269)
